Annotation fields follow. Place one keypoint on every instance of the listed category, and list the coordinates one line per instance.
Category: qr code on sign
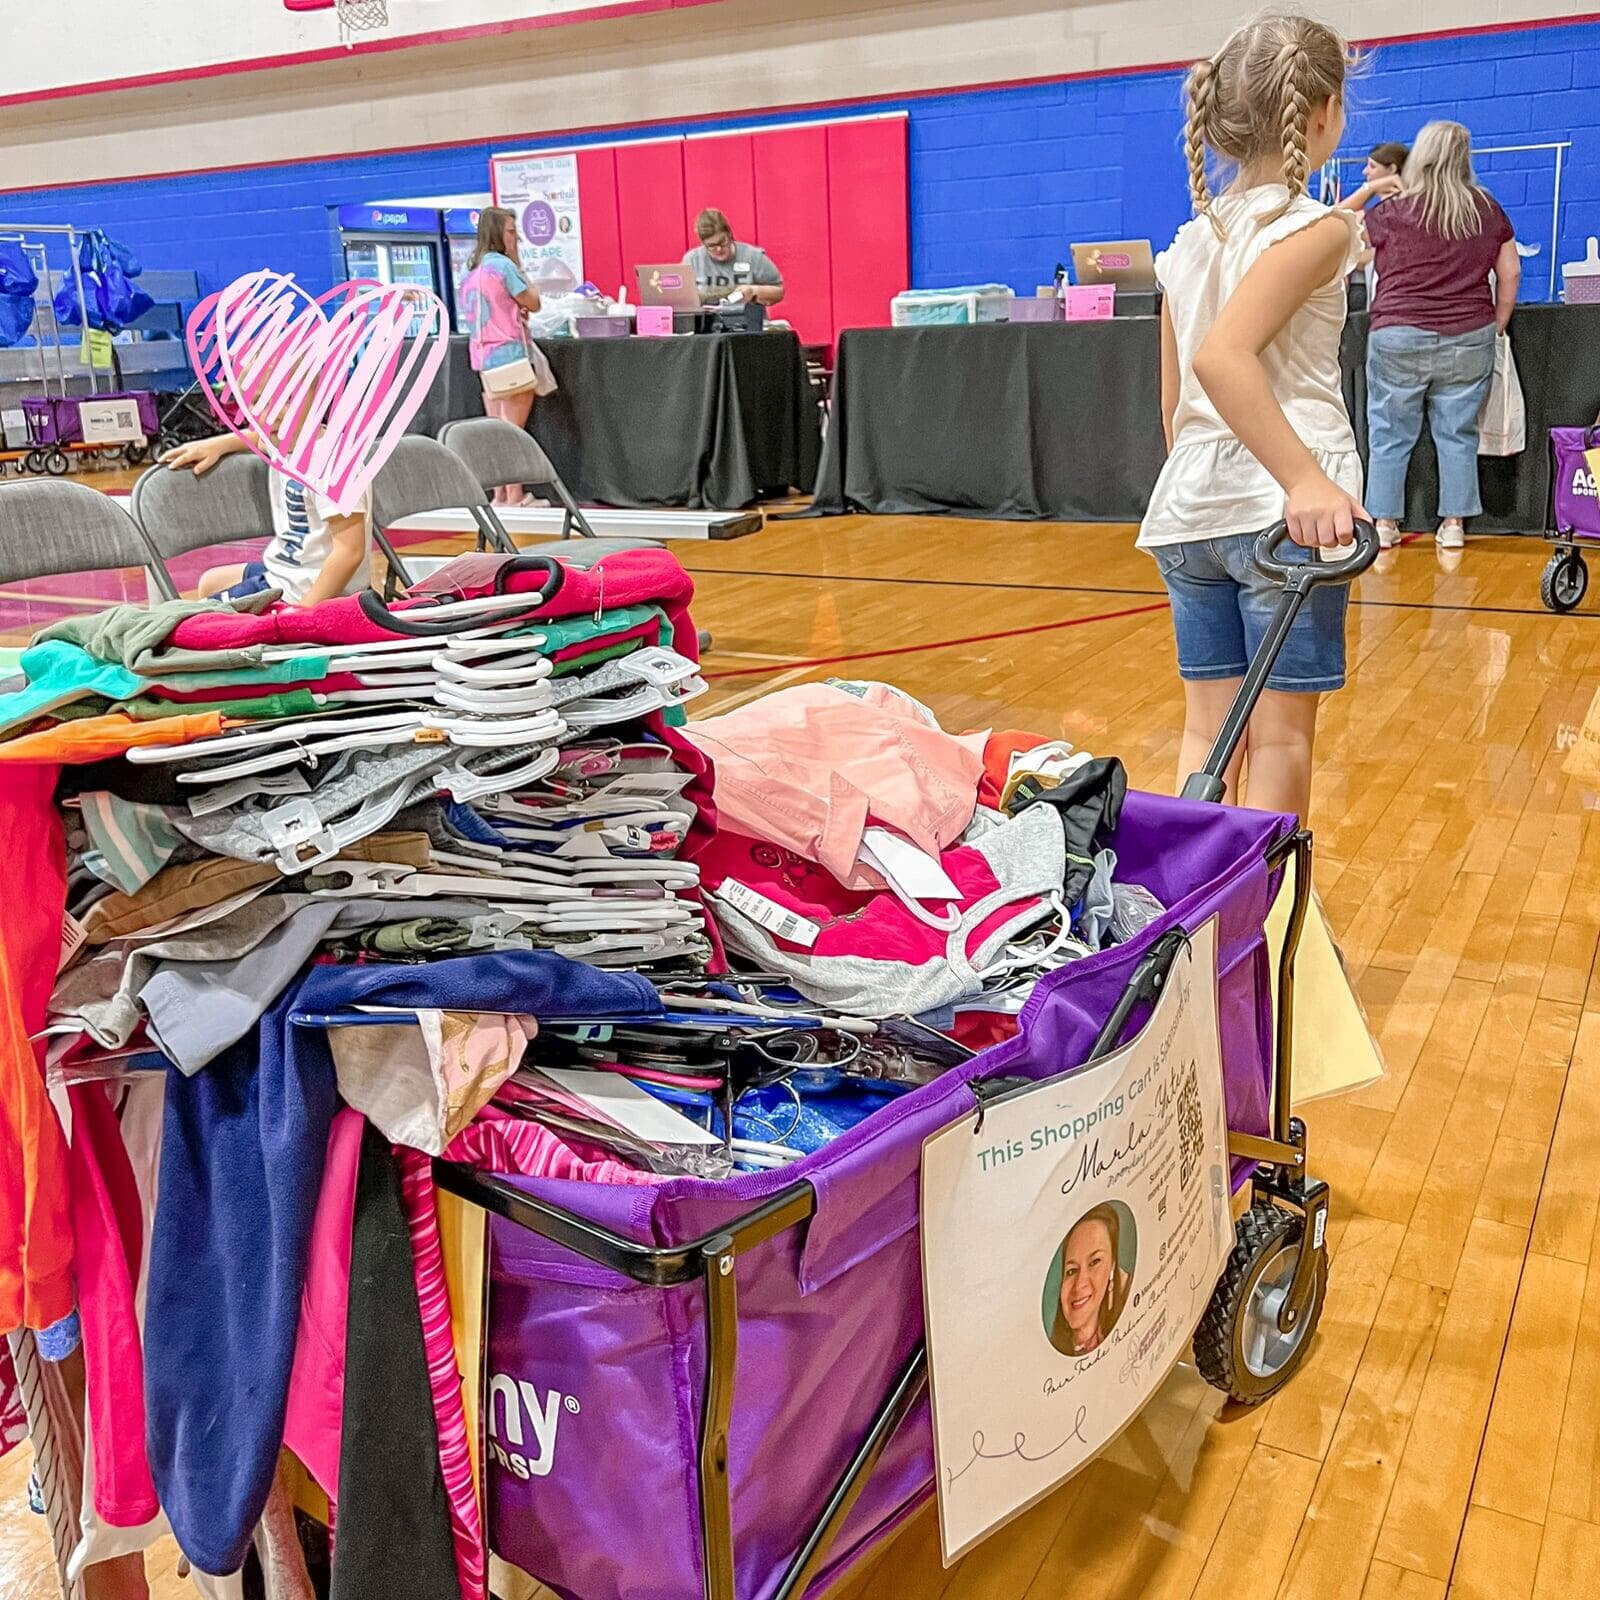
(1191, 1128)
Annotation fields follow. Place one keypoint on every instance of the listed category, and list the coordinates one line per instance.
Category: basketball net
(360, 16)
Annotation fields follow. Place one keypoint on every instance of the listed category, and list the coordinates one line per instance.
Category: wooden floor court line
(943, 644)
(1086, 588)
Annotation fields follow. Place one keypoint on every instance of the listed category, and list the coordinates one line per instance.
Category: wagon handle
(1312, 574)
(1298, 581)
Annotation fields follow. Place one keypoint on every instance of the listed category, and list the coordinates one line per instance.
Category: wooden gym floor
(1444, 1438)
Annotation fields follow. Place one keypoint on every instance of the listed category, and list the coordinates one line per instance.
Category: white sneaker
(1388, 534)
(1451, 535)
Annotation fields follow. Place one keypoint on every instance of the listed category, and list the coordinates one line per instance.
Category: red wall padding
(827, 201)
(792, 225)
(650, 202)
(721, 172)
(603, 263)
(868, 209)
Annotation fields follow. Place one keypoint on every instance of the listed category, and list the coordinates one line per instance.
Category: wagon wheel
(56, 463)
(1565, 581)
(1238, 1346)
(34, 461)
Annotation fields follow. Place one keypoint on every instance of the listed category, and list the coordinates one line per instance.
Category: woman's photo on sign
(1089, 1279)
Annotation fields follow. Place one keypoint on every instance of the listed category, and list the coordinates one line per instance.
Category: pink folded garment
(108, 1233)
(623, 578)
(806, 769)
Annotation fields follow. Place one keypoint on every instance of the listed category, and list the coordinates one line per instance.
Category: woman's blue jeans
(1410, 370)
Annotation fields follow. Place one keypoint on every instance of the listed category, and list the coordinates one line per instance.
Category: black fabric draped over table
(707, 421)
(1062, 422)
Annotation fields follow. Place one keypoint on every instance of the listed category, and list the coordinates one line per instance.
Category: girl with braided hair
(1251, 395)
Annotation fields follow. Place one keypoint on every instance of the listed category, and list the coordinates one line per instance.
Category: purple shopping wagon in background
(1575, 498)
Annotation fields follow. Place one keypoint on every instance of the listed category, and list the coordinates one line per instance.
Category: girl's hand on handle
(1320, 514)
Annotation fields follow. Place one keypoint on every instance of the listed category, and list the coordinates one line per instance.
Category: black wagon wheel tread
(1564, 582)
(1216, 1344)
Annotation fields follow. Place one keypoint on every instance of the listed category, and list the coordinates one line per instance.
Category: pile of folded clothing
(486, 772)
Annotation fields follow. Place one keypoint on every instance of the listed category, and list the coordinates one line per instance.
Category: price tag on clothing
(662, 784)
(768, 914)
(72, 937)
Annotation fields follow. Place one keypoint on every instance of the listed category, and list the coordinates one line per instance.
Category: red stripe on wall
(302, 58)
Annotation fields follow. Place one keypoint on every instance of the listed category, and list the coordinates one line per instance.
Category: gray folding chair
(179, 513)
(422, 476)
(498, 453)
(49, 528)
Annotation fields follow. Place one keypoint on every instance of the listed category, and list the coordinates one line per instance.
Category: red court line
(938, 644)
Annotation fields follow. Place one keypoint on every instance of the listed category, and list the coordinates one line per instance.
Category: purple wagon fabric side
(1574, 491)
(828, 1312)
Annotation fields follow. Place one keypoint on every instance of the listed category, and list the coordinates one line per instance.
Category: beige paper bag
(1583, 759)
(1334, 1051)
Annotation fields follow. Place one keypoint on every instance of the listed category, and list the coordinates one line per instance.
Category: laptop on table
(668, 284)
(1127, 263)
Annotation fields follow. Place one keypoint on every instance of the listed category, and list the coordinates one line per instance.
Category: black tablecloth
(1016, 420)
(709, 421)
(1062, 421)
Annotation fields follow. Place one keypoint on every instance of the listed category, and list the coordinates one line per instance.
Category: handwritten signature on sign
(1019, 1447)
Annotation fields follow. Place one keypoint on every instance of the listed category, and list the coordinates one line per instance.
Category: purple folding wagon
(718, 1389)
(1575, 499)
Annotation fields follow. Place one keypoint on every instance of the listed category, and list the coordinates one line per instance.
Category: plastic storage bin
(927, 308)
(1040, 308)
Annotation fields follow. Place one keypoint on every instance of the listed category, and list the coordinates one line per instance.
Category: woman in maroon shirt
(1434, 320)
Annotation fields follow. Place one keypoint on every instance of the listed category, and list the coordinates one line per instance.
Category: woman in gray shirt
(722, 265)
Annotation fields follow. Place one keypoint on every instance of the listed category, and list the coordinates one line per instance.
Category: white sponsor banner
(1071, 1238)
(542, 190)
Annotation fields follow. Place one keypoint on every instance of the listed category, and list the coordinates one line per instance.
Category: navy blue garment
(242, 1151)
(472, 826)
(536, 983)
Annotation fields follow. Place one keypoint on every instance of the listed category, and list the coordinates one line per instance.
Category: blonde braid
(1293, 65)
(1202, 108)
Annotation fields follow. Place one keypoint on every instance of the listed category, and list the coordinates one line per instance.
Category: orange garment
(35, 1222)
(997, 754)
(96, 738)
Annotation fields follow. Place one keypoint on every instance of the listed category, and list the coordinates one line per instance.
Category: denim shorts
(1222, 606)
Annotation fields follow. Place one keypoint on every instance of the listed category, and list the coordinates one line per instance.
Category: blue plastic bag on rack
(596, 1382)
(18, 281)
(108, 269)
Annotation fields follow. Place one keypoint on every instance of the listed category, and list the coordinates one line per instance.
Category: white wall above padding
(104, 43)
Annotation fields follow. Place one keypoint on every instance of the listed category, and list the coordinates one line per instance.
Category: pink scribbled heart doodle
(321, 389)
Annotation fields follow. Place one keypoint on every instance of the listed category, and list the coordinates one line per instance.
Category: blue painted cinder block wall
(1002, 180)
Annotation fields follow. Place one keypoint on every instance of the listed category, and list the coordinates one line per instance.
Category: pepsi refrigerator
(396, 244)
(460, 235)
